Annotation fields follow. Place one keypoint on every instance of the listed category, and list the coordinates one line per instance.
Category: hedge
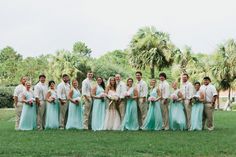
(6, 97)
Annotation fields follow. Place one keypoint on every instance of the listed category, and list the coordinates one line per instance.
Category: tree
(9, 61)
(151, 48)
(224, 69)
(82, 49)
(112, 63)
(184, 58)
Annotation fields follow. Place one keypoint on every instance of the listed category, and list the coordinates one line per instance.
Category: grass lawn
(221, 142)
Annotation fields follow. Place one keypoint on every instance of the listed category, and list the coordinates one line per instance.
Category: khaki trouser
(208, 115)
(18, 110)
(63, 114)
(87, 111)
(142, 110)
(187, 111)
(121, 107)
(165, 115)
(41, 114)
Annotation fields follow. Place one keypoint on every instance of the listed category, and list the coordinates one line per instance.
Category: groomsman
(40, 92)
(142, 99)
(86, 93)
(164, 88)
(17, 96)
(209, 105)
(187, 90)
(120, 90)
(62, 92)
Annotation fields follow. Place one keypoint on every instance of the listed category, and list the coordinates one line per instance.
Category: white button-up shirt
(209, 92)
(18, 92)
(187, 89)
(40, 91)
(63, 90)
(121, 89)
(142, 89)
(86, 87)
(164, 88)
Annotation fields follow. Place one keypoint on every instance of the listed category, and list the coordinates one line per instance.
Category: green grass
(221, 142)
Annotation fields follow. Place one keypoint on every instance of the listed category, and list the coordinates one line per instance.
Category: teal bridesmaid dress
(153, 120)
(75, 113)
(197, 112)
(177, 120)
(98, 111)
(130, 121)
(28, 116)
(52, 113)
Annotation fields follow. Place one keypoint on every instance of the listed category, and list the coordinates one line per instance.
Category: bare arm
(135, 94)
(202, 97)
(15, 100)
(48, 96)
(180, 95)
(94, 93)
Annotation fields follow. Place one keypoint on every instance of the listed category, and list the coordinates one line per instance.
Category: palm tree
(185, 62)
(151, 48)
(184, 58)
(224, 69)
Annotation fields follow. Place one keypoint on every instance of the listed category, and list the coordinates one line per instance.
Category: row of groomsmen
(187, 89)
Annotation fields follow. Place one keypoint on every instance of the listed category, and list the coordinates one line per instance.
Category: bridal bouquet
(151, 99)
(77, 100)
(102, 95)
(127, 94)
(30, 101)
(195, 99)
(113, 97)
(174, 97)
(52, 99)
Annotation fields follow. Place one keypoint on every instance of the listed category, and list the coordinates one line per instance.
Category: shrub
(6, 97)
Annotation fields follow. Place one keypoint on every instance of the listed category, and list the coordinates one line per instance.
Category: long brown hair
(109, 86)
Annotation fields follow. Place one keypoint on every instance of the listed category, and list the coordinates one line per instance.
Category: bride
(112, 120)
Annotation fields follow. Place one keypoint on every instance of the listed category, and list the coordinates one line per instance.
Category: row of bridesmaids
(117, 106)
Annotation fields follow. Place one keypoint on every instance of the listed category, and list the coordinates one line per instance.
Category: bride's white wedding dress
(112, 120)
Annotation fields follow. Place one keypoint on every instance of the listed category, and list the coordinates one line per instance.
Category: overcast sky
(44, 26)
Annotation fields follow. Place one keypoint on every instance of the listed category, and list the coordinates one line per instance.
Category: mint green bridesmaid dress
(52, 113)
(98, 111)
(28, 116)
(75, 113)
(153, 120)
(177, 120)
(130, 121)
(196, 115)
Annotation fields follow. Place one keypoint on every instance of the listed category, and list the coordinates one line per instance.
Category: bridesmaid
(130, 121)
(197, 108)
(153, 120)
(52, 111)
(75, 110)
(28, 116)
(176, 113)
(99, 105)
(112, 120)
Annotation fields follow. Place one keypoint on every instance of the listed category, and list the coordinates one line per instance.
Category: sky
(40, 27)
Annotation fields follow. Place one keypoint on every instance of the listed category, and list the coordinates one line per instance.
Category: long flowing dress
(98, 111)
(130, 121)
(112, 120)
(75, 113)
(52, 112)
(177, 118)
(153, 120)
(197, 112)
(28, 116)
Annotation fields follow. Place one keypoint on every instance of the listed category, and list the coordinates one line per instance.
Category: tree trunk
(218, 99)
(229, 101)
(152, 71)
